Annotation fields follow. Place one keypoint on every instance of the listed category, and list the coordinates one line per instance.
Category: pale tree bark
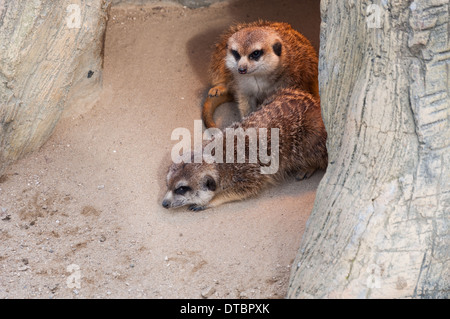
(50, 57)
(379, 227)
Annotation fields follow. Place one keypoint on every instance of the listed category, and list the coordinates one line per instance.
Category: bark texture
(379, 227)
(50, 57)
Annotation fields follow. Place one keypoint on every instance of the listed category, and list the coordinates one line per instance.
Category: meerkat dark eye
(277, 47)
(182, 190)
(236, 55)
(210, 183)
(255, 55)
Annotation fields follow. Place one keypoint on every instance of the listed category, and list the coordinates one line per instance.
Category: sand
(82, 217)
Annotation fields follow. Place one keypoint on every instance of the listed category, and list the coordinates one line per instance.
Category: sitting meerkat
(301, 151)
(251, 61)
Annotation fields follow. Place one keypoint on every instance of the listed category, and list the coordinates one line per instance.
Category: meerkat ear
(210, 183)
(277, 48)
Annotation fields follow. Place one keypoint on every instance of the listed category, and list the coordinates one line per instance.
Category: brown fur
(302, 150)
(298, 66)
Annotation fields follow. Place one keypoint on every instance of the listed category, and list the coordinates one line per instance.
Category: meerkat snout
(165, 203)
(242, 69)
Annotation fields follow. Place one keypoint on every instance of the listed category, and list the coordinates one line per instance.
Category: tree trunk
(379, 227)
(50, 57)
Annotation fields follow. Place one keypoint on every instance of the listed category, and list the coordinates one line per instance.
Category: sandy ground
(81, 218)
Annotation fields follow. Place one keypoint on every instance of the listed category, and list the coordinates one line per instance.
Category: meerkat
(302, 150)
(251, 61)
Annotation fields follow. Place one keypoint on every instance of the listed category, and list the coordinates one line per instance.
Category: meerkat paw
(217, 90)
(304, 174)
(196, 208)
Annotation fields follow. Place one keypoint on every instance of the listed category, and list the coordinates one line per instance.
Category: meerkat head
(254, 51)
(193, 184)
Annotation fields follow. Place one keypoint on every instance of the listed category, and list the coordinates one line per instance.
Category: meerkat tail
(210, 106)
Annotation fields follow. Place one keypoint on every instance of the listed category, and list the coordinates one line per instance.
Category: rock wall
(50, 57)
(380, 223)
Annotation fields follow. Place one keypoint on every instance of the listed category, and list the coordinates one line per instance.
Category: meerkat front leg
(218, 90)
(304, 174)
(246, 104)
(219, 200)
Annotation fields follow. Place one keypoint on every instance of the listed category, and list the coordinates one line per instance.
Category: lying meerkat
(251, 61)
(301, 151)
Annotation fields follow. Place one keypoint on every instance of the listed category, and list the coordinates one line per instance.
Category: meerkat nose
(165, 203)
(242, 70)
